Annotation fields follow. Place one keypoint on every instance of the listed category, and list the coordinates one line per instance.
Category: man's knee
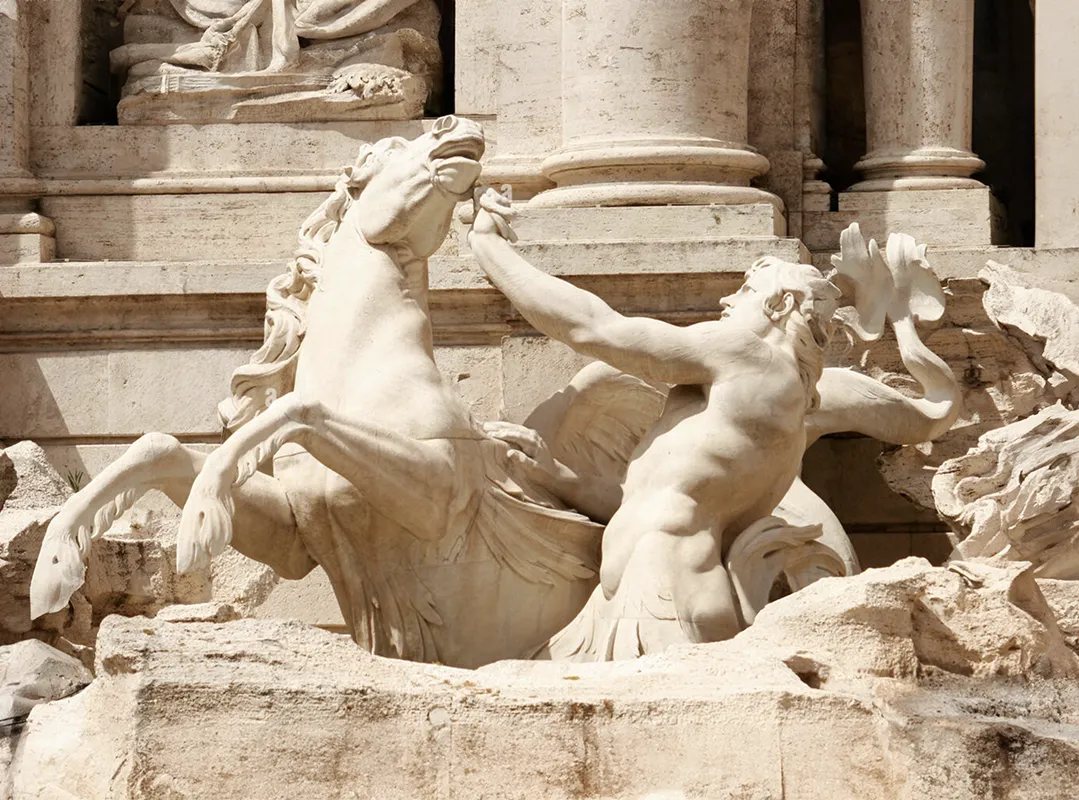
(705, 604)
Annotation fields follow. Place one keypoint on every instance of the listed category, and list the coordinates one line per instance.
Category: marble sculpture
(447, 540)
(691, 548)
(277, 60)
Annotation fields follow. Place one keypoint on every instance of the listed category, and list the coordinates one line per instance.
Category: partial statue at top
(447, 540)
(277, 60)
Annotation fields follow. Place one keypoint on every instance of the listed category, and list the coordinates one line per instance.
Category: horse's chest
(326, 508)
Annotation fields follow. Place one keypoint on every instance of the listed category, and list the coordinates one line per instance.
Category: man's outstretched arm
(647, 348)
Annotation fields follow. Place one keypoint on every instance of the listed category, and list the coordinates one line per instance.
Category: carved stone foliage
(1014, 495)
(277, 60)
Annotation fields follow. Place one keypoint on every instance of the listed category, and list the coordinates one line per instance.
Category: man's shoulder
(729, 341)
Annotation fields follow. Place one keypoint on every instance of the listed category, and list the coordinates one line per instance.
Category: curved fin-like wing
(596, 422)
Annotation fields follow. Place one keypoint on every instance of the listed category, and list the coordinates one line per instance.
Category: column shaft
(654, 98)
(919, 67)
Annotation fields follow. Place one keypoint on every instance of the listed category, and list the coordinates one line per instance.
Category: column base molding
(926, 169)
(659, 171)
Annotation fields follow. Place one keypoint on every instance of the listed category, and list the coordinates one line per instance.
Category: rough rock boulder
(1013, 495)
(908, 682)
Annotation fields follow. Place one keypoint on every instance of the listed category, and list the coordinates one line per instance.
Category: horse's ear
(370, 158)
(364, 168)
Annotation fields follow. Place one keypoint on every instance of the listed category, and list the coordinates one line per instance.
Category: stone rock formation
(132, 572)
(911, 681)
(31, 673)
(1013, 495)
(1018, 342)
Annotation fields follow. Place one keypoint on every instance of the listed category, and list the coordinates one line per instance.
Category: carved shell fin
(596, 422)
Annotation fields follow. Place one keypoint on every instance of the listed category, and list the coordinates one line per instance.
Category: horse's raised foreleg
(412, 481)
(266, 530)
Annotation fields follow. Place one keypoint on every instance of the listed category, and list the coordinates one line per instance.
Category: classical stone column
(919, 67)
(14, 94)
(654, 98)
(25, 236)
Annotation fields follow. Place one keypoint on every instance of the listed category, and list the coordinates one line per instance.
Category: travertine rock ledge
(909, 682)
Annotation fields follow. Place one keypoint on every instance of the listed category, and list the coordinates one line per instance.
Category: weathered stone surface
(198, 612)
(131, 571)
(1044, 323)
(1063, 598)
(912, 621)
(31, 672)
(907, 682)
(37, 484)
(240, 582)
(8, 478)
(1012, 496)
(34, 493)
(21, 532)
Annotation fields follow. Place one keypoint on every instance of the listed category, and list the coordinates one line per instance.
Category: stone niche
(276, 60)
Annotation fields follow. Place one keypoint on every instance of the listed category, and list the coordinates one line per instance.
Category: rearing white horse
(434, 551)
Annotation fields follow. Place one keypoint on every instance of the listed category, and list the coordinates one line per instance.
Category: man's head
(774, 290)
(795, 299)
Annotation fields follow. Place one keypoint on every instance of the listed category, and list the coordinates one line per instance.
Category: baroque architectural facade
(157, 158)
(656, 154)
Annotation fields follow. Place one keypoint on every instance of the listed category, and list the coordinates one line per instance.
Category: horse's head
(409, 188)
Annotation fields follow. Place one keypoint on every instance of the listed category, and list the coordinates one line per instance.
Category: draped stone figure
(277, 60)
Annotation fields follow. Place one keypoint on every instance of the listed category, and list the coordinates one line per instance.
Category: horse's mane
(272, 369)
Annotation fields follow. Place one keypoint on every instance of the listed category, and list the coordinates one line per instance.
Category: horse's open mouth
(456, 164)
(470, 147)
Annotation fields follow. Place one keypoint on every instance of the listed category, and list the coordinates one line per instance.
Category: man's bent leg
(703, 596)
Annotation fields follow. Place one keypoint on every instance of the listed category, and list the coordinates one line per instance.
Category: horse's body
(380, 475)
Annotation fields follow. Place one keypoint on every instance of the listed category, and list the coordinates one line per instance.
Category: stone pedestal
(26, 238)
(947, 219)
(918, 62)
(654, 106)
(1056, 42)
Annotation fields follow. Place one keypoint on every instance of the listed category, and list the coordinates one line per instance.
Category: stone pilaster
(919, 62)
(654, 106)
(1056, 42)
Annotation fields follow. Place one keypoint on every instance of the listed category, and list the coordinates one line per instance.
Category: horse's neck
(371, 292)
(416, 279)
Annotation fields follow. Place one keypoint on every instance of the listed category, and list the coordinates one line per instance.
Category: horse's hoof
(205, 527)
(60, 569)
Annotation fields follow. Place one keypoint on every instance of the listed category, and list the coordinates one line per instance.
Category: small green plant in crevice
(75, 479)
